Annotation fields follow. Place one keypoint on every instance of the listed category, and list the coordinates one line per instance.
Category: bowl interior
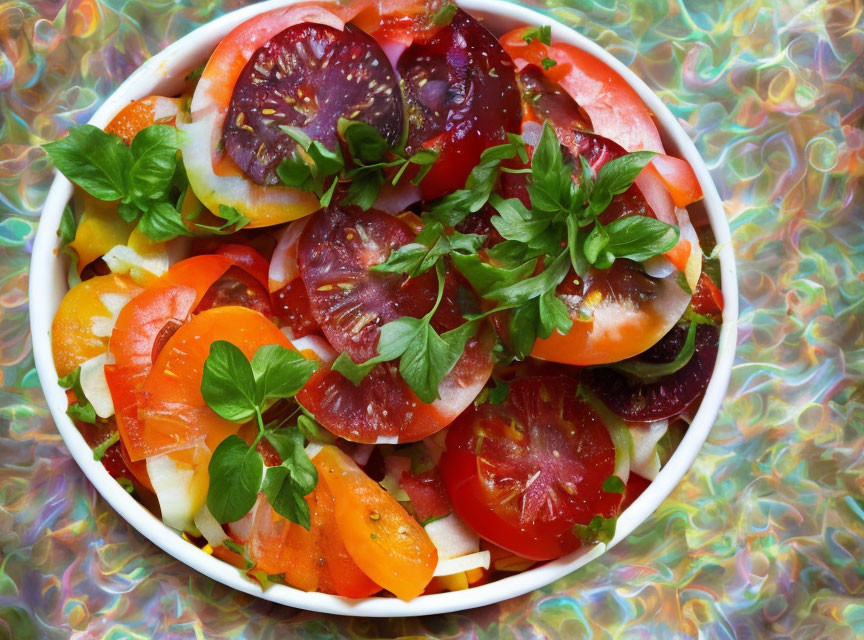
(165, 73)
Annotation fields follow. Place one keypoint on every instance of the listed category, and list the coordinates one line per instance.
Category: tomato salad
(383, 303)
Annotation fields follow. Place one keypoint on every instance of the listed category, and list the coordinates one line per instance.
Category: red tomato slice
(287, 291)
(174, 412)
(461, 98)
(237, 287)
(707, 298)
(350, 303)
(246, 257)
(387, 544)
(523, 472)
(427, 494)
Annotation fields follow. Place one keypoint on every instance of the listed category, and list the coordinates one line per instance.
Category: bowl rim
(48, 283)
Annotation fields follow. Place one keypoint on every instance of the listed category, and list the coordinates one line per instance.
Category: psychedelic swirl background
(764, 538)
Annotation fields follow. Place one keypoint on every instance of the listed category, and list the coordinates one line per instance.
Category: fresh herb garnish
(613, 484)
(81, 409)
(238, 390)
(444, 15)
(425, 356)
(430, 245)
(100, 449)
(600, 529)
(548, 63)
(543, 34)
(140, 176)
(234, 221)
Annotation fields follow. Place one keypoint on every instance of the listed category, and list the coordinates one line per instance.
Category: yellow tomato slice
(387, 544)
(85, 318)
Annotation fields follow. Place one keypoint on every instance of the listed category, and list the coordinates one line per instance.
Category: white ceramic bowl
(163, 74)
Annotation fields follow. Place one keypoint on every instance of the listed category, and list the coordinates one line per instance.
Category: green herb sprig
(239, 390)
(81, 409)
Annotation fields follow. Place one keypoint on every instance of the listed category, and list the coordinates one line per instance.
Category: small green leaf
(289, 445)
(444, 15)
(684, 284)
(161, 221)
(100, 449)
(285, 496)
(616, 176)
(294, 172)
(83, 412)
(234, 221)
(327, 162)
(81, 409)
(523, 328)
(648, 371)
(639, 237)
(486, 278)
(128, 211)
(228, 384)
(365, 187)
(614, 484)
(595, 243)
(68, 227)
(236, 471)
(548, 63)
(365, 144)
(514, 221)
(600, 529)
(553, 314)
(152, 172)
(280, 372)
(313, 431)
(351, 370)
(543, 34)
(98, 162)
(575, 244)
(524, 290)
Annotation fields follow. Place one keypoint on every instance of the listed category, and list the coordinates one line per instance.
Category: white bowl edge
(164, 72)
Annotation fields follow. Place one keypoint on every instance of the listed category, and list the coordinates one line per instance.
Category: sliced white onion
(531, 132)
(283, 265)
(644, 458)
(658, 267)
(102, 326)
(125, 260)
(694, 262)
(95, 387)
(179, 499)
(396, 199)
(393, 50)
(312, 449)
(387, 440)
(209, 527)
(452, 537)
(394, 467)
(435, 445)
(316, 344)
(449, 566)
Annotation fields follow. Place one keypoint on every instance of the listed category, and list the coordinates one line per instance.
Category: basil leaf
(396, 336)
(365, 144)
(354, 372)
(409, 258)
(525, 290)
(512, 254)
(228, 384)
(575, 244)
(551, 188)
(523, 328)
(595, 243)
(161, 221)
(286, 497)
(600, 529)
(616, 176)
(96, 161)
(280, 372)
(289, 445)
(236, 470)
(128, 211)
(614, 484)
(81, 409)
(640, 237)
(486, 278)
(68, 227)
(313, 431)
(365, 187)
(553, 314)
(294, 172)
(152, 173)
(327, 162)
(232, 218)
(514, 221)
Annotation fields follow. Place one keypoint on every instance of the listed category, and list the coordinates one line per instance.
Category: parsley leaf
(613, 484)
(100, 449)
(431, 244)
(616, 176)
(81, 409)
(68, 227)
(600, 529)
(236, 471)
(234, 221)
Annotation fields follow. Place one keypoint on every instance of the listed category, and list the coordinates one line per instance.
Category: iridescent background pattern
(765, 536)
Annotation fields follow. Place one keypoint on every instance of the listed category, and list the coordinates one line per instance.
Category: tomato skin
(291, 308)
(427, 494)
(175, 414)
(237, 287)
(246, 257)
(506, 484)
(387, 544)
(707, 298)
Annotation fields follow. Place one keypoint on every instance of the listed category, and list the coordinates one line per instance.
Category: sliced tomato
(543, 99)
(350, 304)
(246, 257)
(287, 292)
(635, 400)
(707, 298)
(140, 114)
(427, 495)
(154, 314)
(381, 537)
(213, 175)
(461, 96)
(522, 473)
(174, 412)
(636, 486)
(237, 287)
(85, 317)
(307, 77)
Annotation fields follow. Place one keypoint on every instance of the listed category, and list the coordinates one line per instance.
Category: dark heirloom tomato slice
(350, 304)
(461, 95)
(427, 494)
(547, 101)
(523, 472)
(291, 308)
(638, 401)
(308, 76)
(237, 287)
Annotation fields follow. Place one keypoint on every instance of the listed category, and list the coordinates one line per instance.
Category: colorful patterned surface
(763, 539)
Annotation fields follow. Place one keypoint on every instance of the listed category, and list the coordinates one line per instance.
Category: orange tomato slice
(82, 325)
(174, 412)
(387, 544)
(140, 114)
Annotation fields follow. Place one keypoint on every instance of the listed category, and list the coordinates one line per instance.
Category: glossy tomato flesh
(523, 473)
